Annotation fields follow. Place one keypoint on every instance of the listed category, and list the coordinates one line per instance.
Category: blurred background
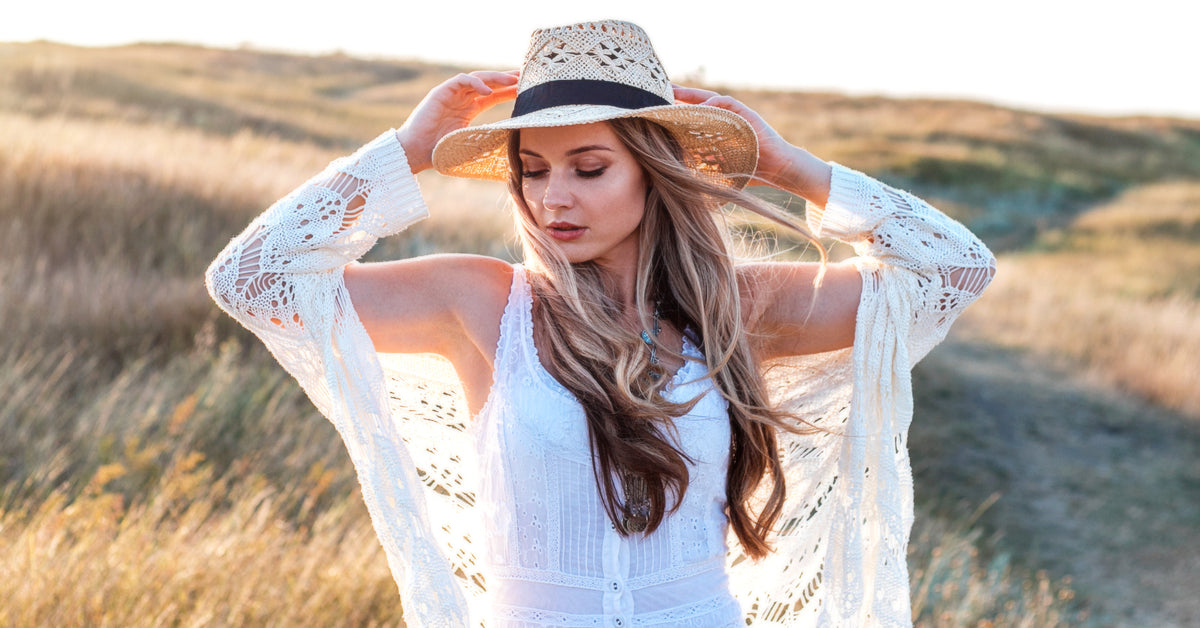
(158, 467)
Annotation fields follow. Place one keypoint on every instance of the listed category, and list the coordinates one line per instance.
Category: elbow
(258, 300)
(231, 277)
(973, 280)
(985, 280)
(977, 275)
(220, 280)
(986, 273)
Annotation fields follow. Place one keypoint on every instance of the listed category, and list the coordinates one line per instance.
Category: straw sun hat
(597, 71)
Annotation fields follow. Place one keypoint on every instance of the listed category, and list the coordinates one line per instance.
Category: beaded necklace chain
(650, 341)
(637, 502)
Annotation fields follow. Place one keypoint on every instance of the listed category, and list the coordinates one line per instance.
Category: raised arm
(334, 218)
(313, 232)
(943, 265)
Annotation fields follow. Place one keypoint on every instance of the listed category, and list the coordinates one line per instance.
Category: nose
(557, 195)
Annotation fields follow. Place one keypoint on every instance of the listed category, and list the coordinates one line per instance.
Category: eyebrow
(573, 151)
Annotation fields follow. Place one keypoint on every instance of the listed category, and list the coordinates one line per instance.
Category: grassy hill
(148, 439)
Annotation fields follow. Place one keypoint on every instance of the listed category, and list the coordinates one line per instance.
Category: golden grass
(1170, 204)
(200, 551)
(109, 224)
(954, 584)
(1118, 292)
(202, 491)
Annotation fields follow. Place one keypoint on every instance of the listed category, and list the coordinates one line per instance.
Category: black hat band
(584, 92)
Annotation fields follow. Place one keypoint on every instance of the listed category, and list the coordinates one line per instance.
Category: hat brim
(717, 143)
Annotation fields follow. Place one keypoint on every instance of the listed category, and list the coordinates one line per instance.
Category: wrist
(806, 176)
(417, 160)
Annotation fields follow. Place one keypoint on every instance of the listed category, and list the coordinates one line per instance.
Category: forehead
(559, 140)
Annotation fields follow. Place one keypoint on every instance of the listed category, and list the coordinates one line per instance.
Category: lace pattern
(601, 51)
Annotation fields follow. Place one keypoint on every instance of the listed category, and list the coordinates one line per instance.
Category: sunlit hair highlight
(686, 268)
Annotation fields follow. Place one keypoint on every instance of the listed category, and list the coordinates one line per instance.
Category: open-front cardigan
(840, 546)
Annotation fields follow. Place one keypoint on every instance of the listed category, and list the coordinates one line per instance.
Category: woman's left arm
(943, 267)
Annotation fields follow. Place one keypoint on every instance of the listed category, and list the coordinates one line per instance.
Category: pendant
(633, 524)
(637, 506)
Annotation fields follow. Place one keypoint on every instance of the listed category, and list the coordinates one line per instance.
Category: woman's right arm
(318, 230)
(313, 232)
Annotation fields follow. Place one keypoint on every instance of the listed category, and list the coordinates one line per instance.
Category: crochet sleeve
(283, 279)
(841, 543)
(944, 266)
(319, 228)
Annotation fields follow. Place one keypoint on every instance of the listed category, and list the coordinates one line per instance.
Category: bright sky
(1054, 55)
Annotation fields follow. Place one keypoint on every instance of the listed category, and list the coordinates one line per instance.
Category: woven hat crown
(613, 51)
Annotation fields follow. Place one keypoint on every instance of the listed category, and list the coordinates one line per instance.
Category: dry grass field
(158, 468)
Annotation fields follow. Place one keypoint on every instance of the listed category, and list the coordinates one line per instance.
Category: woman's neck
(622, 277)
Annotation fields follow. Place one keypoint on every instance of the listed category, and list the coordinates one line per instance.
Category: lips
(564, 230)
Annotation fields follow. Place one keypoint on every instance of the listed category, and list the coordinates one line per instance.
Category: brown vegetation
(1117, 293)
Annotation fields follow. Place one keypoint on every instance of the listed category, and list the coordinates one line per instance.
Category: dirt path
(1095, 485)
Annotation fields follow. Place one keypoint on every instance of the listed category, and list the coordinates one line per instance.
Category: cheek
(633, 199)
(529, 192)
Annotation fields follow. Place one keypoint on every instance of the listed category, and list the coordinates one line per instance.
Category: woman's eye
(532, 174)
(591, 174)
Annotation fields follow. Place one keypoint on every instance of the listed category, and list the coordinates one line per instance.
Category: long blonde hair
(685, 267)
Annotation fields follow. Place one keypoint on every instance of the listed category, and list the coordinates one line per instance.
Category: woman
(624, 421)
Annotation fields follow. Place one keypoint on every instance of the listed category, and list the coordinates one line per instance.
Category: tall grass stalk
(958, 578)
(198, 550)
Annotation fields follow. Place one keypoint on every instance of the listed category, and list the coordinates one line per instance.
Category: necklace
(637, 503)
(650, 342)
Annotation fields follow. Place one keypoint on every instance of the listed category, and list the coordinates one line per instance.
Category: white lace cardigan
(840, 546)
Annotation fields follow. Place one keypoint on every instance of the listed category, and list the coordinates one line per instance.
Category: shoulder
(475, 289)
(798, 308)
(465, 273)
(427, 303)
(449, 277)
(474, 279)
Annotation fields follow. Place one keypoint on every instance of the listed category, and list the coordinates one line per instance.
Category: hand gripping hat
(597, 71)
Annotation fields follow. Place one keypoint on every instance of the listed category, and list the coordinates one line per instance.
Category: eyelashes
(585, 174)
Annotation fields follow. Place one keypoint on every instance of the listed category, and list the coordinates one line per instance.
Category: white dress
(551, 556)
(840, 544)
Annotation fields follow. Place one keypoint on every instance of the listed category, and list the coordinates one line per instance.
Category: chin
(578, 258)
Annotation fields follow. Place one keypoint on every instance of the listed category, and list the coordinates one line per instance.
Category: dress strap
(512, 325)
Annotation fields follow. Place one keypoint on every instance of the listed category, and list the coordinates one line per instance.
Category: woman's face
(585, 190)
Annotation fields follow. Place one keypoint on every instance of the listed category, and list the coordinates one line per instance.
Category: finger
(494, 79)
(692, 95)
(720, 102)
(462, 82)
(724, 102)
(498, 96)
